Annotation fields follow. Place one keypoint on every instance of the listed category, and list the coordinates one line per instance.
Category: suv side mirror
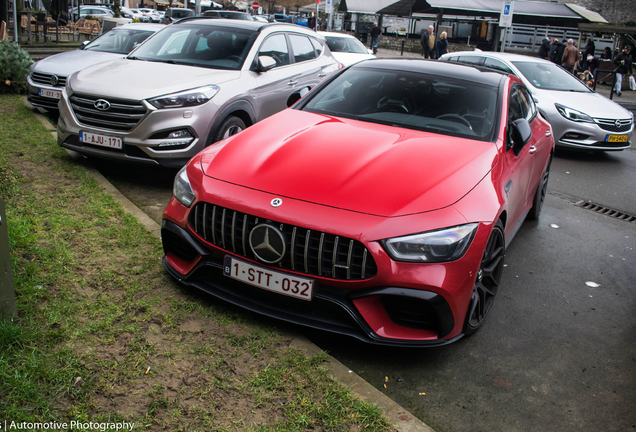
(297, 95)
(265, 63)
(519, 135)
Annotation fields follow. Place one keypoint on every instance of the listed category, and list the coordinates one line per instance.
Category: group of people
(433, 47)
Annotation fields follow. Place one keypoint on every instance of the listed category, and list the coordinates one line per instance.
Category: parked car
(581, 118)
(379, 206)
(174, 14)
(228, 15)
(198, 81)
(346, 48)
(151, 14)
(47, 77)
(138, 15)
(98, 12)
(280, 17)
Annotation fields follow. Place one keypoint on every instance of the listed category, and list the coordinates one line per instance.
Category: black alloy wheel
(539, 196)
(488, 279)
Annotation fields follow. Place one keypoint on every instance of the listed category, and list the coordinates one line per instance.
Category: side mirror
(519, 134)
(265, 63)
(297, 95)
(84, 44)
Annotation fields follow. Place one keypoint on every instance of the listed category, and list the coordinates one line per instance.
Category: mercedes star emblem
(267, 243)
(102, 105)
(276, 202)
(54, 80)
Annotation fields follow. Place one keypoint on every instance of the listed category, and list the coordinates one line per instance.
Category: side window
(276, 47)
(496, 64)
(518, 106)
(470, 59)
(532, 113)
(317, 46)
(302, 48)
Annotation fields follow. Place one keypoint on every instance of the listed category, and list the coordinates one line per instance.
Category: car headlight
(572, 114)
(187, 98)
(182, 190)
(447, 244)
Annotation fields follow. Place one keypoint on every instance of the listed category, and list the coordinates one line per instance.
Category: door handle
(292, 83)
(322, 74)
(533, 149)
(548, 133)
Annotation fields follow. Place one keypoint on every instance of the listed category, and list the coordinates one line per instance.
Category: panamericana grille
(311, 252)
(611, 125)
(123, 115)
(45, 79)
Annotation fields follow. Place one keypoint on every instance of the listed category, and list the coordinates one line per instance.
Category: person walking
(428, 42)
(624, 62)
(442, 45)
(375, 32)
(590, 48)
(570, 56)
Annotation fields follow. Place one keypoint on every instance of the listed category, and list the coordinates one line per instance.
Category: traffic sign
(255, 5)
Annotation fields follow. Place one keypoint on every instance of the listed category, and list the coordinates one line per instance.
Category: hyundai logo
(102, 105)
(267, 243)
(54, 80)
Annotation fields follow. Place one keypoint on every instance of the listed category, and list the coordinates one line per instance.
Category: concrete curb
(399, 417)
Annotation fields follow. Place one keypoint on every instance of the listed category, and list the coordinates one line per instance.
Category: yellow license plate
(616, 138)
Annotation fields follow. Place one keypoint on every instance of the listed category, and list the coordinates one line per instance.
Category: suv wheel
(230, 126)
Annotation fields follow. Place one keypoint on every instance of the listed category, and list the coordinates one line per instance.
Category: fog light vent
(606, 211)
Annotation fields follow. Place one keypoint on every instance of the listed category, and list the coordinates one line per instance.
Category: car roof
(511, 57)
(243, 24)
(485, 76)
(142, 26)
(334, 34)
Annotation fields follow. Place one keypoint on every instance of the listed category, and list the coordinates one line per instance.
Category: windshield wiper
(135, 58)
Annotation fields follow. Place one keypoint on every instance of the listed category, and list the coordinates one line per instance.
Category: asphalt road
(556, 354)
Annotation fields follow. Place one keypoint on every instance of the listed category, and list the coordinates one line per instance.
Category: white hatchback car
(48, 76)
(581, 119)
(346, 48)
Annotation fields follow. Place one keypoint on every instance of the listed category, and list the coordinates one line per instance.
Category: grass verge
(104, 335)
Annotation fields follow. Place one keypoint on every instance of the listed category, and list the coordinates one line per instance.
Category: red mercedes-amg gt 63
(379, 206)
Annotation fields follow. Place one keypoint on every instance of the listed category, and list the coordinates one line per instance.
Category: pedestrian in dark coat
(559, 53)
(442, 45)
(544, 49)
(553, 50)
(428, 42)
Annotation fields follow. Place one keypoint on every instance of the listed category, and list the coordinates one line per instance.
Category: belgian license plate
(616, 138)
(54, 94)
(272, 280)
(100, 140)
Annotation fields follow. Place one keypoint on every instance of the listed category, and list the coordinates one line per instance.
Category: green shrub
(14, 67)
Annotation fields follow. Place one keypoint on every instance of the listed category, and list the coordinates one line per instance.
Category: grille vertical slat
(317, 253)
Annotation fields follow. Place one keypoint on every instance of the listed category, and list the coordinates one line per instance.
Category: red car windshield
(410, 100)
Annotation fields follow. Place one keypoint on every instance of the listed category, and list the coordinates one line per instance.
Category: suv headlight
(186, 98)
(447, 244)
(182, 190)
(572, 114)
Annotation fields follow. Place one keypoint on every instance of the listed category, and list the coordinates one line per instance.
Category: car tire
(230, 126)
(487, 281)
(539, 195)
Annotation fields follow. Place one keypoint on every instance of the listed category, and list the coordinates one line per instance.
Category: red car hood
(353, 165)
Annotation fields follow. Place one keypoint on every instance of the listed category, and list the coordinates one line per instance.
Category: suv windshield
(548, 76)
(208, 46)
(119, 41)
(410, 100)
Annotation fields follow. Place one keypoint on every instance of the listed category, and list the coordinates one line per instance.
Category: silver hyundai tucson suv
(191, 84)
